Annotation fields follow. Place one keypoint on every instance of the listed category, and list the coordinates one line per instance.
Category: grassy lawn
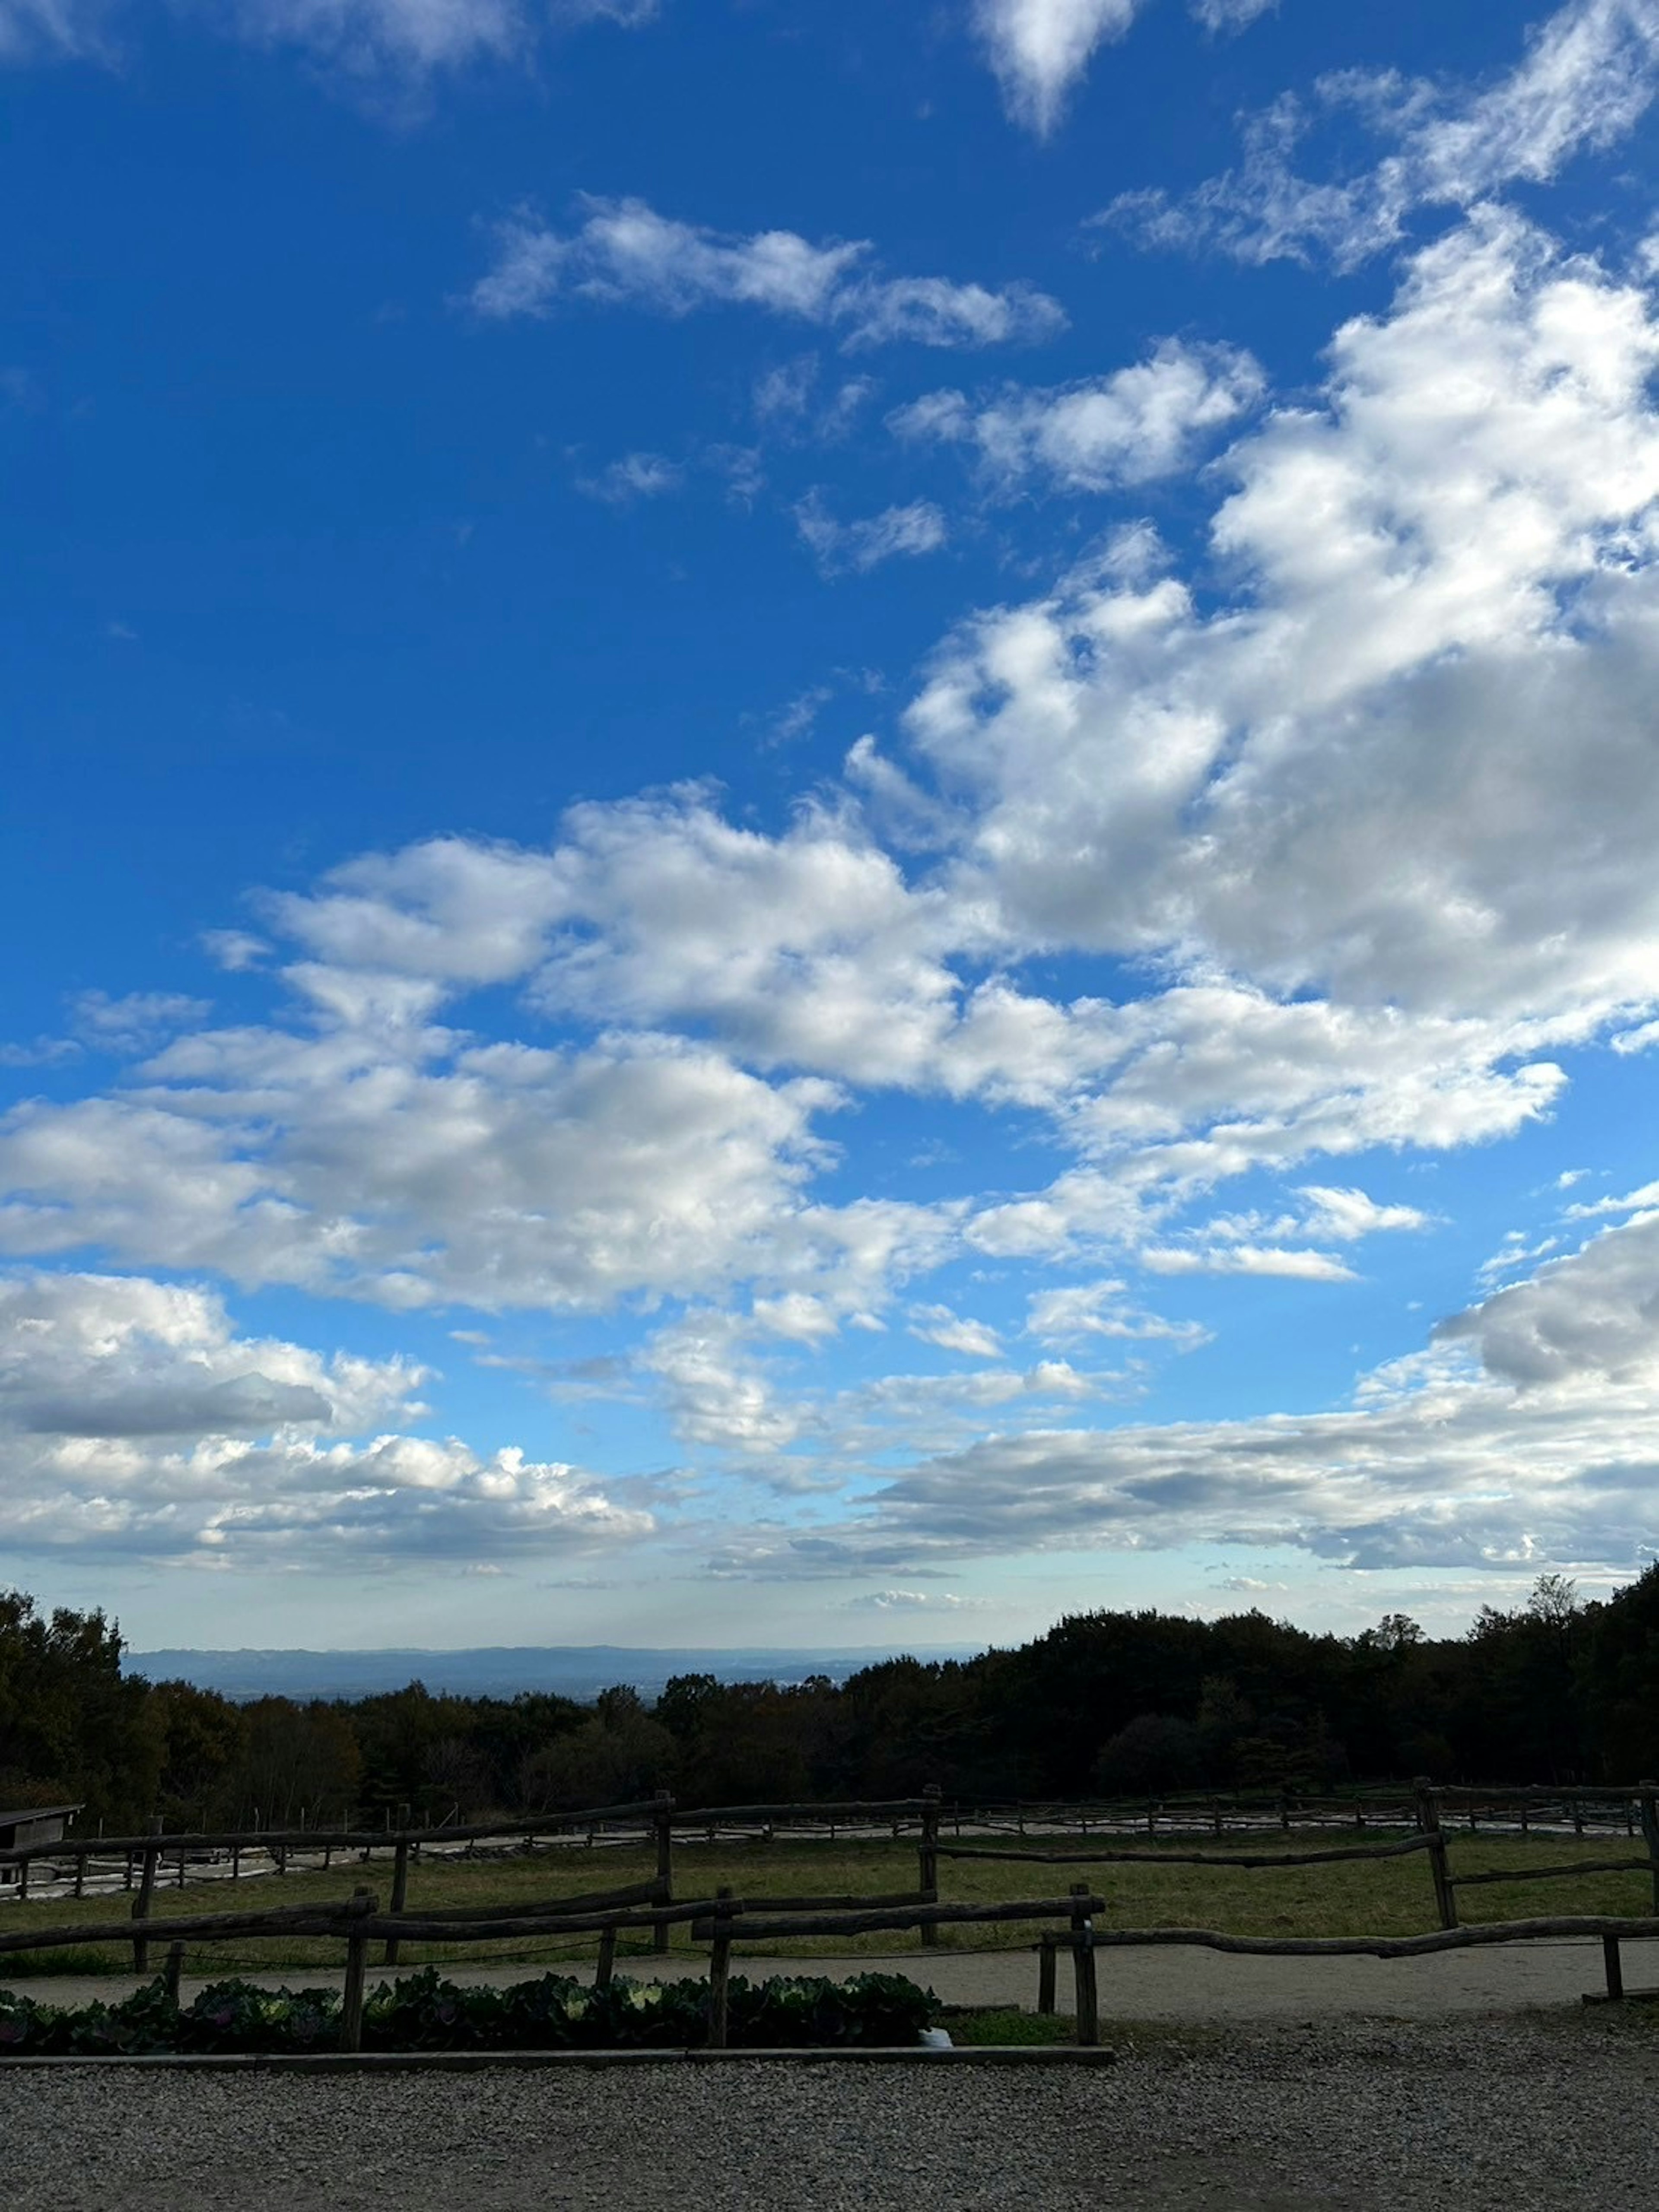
(1386, 1897)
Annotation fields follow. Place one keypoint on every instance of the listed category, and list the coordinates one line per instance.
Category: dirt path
(1169, 1985)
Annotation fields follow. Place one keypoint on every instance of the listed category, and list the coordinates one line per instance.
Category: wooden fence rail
(1192, 1858)
(659, 1817)
(725, 1920)
(645, 1811)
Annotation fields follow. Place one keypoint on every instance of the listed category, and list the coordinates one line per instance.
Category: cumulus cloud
(1330, 813)
(951, 1332)
(1041, 48)
(1591, 1315)
(1589, 72)
(138, 1421)
(1136, 424)
(1541, 1450)
(624, 253)
(1419, 577)
(1346, 1214)
(1345, 888)
(407, 1170)
(1104, 1309)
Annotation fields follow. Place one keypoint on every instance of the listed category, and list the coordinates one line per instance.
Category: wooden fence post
(141, 1904)
(1650, 1832)
(173, 1969)
(22, 1881)
(927, 1858)
(605, 1973)
(399, 1895)
(356, 1973)
(1428, 1819)
(80, 1874)
(720, 1971)
(1613, 1968)
(1047, 1944)
(1083, 1955)
(662, 1820)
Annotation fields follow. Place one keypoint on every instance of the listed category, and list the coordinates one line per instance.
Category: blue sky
(825, 824)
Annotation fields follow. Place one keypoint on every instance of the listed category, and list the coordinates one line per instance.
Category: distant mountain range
(579, 1671)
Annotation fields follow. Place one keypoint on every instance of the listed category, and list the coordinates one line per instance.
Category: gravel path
(1549, 2109)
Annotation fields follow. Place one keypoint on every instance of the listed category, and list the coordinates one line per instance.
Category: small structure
(37, 1824)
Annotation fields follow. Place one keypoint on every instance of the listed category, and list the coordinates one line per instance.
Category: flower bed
(423, 2012)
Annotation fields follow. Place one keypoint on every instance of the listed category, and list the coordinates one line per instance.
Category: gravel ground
(1551, 2109)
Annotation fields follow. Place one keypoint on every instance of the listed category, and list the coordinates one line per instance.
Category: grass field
(1387, 1897)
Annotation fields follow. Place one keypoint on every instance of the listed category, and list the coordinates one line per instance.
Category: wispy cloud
(634, 477)
(1589, 73)
(624, 253)
(896, 532)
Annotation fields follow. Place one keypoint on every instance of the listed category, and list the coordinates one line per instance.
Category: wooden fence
(1430, 1839)
(656, 1821)
(725, 1920)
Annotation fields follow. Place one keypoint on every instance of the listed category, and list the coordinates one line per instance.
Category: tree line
(1104, 1703)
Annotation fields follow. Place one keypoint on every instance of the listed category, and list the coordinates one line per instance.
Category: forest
(1105, 1704)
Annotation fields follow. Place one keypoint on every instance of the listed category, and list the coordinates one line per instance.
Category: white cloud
(134, 1021)
(135, 1421)
(1040, 49)
(790, 400)
(1245, 1260)
(1634, 1201)
(1104, 1308)
(630, 13)
(106, 1356)
(1543, 1455)
(365, 37)
(937, 1325)
(898, 532)
(235, 950)
(1346, 1214)
(903, 1600)
(53, 30)
(1226, 17)
(624, 253)
(361, 38)
(421, 1170)
(1589, 73)
(1591, 1316)
(1128, 427)
(634, 477)
(1447, 563)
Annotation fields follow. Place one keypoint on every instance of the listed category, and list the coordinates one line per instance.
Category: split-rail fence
(723, 1920)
